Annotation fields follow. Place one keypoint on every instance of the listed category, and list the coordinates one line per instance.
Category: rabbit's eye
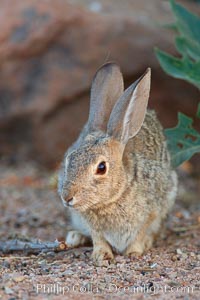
(101, 168)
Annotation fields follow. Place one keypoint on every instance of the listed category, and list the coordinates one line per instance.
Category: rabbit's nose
(67, 201)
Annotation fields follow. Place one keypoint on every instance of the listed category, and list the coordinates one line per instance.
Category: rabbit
(116, 180)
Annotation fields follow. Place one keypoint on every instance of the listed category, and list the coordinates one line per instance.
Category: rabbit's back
(150, 142)
(148, 165)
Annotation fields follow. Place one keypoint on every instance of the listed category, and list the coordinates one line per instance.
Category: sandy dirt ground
(30, 208)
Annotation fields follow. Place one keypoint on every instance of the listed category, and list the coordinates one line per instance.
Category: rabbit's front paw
(133, 254)
(75, 239)
(102, 257)
(134, 250)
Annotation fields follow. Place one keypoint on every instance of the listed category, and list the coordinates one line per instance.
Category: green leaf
(183, 140)
(188, 23)
(188, 47)
(198, 111)
(182, 68)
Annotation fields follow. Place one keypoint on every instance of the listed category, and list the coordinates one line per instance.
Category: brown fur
(123, 209)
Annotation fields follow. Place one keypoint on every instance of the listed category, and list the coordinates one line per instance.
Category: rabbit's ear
(107, 87)
(129, 112)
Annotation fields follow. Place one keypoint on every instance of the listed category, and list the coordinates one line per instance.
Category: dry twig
(30, 247)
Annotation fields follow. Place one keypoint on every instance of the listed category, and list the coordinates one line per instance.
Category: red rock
(49, 51)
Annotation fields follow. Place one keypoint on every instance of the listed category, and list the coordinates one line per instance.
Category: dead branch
(30, 247)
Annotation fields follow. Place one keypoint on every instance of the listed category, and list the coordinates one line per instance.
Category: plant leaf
(188, 47)
(188, 23)
(183, 140)
(182, 68)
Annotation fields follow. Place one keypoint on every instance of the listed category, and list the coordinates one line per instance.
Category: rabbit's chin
(84, 207)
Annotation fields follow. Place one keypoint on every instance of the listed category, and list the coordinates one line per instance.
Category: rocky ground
(30, 208)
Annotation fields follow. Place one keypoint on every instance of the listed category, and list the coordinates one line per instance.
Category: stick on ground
(31, 247)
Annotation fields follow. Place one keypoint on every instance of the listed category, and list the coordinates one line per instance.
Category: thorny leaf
(183, 140)
(187, 23)
(182, 68)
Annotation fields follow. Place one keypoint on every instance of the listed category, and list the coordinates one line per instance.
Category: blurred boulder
(49, 52)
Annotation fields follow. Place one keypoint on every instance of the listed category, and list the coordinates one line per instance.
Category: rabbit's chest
(119, 239)
(79, 223)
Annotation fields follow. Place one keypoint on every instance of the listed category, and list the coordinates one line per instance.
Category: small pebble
(18, 278)
(68, 272)
(6, 264)
(153, 265)
(173, 283)
(174, 257)
(179, 251)
(8, 291)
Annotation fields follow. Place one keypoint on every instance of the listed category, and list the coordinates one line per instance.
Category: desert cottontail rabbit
(116, 179)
